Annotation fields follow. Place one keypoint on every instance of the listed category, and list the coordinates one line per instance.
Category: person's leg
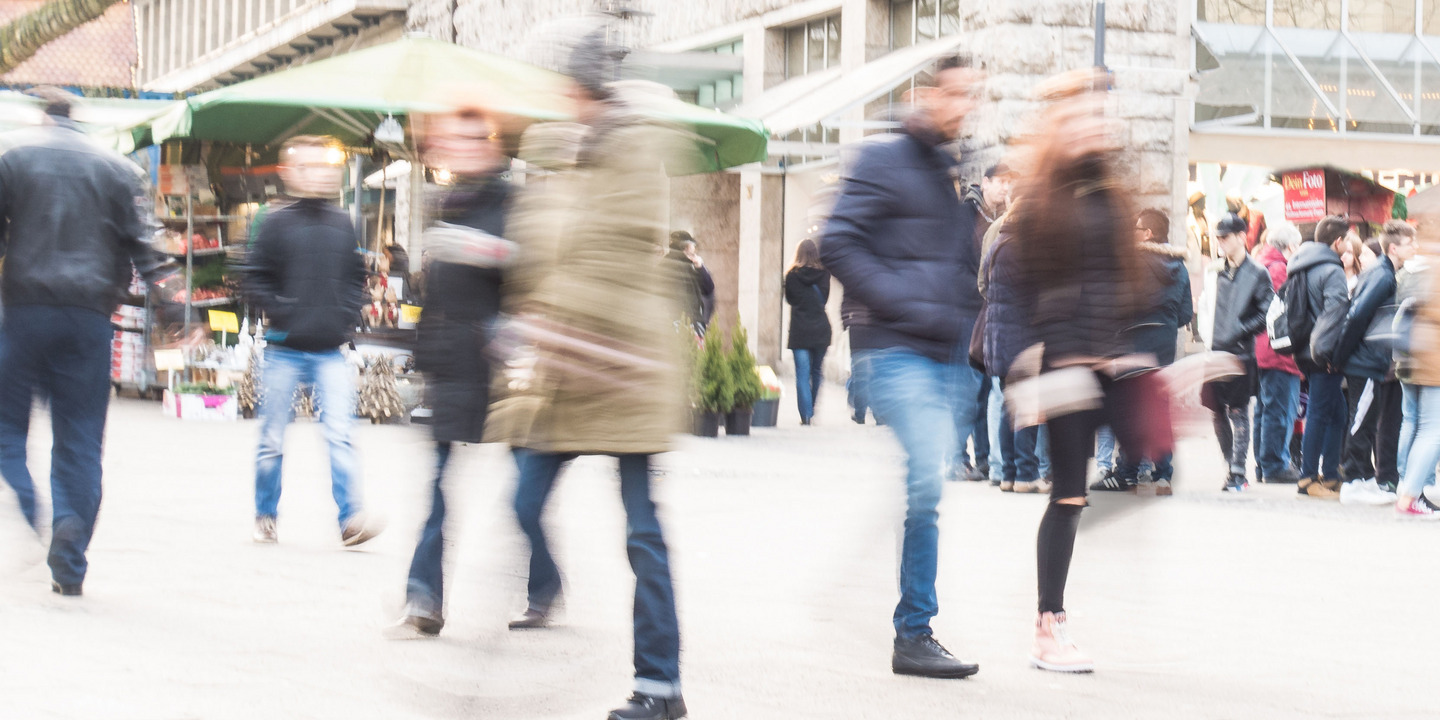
(1409, 418)
(1042, 450)
(22, 364)
(537, 477)
(981, 434)
(1164, 468)
(817, 376)
(335, 396)
(1008, 458)
(1280, 392)
(425, 590)
(1073, 436)
(1335, 414)
(1027, 463)
(79, 389)
(1387, 435)
(998, 428)
(1212, 397)
(910, 392)
(1425, 450)
(1356, 460)
(1105, 450)
(1240, 448)
(281, 375)
(657, 632)
(803, 400)
(856, 386)
(1257, 427)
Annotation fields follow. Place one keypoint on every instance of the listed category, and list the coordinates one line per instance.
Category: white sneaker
(1364, 492)
(1381, 492)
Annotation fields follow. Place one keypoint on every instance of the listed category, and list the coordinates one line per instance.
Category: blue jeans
(809, 375)
(857, 389)
(1105, 449)
(1275, 410)
(62, 353)
(920, 398)
(1042, 449)
(334, 382)
(657, 631)
(995, 424)
(426, 586)
(1419, 439)
(1018, 447)
(1325, 419)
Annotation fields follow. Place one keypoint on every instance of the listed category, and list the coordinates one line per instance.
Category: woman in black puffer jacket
(807, 289)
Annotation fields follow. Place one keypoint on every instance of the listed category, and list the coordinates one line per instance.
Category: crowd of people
(1025, 320)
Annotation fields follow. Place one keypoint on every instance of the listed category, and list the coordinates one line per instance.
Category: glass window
(925, 21)
(1250, 12)
(832, 41)
(1430, 17)
(722, 92)
(902, 24)
(815, 51)
(795, 51)
(705, 96)
(1383, 16)
(949, 17)
(1310, 14)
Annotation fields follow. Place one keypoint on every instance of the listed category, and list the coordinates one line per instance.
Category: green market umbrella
(720, 141)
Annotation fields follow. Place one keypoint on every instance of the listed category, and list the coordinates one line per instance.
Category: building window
(727, 92)
(812, 46)
(918, 21)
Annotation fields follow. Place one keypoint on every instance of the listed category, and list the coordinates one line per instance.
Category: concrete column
(747, 263)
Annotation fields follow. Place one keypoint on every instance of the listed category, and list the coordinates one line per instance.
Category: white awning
(805, 105)
(388, 175)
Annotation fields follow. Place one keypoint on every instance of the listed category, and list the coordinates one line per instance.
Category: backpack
(1288, 321)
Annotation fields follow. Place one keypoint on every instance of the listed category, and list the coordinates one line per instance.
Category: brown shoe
(359, 529)
(1321, 489)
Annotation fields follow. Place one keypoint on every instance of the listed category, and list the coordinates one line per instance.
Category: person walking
(1231, 313)
(601, 320)
(902, 244)
(306, 272)
(1158, 334)
(467, 253)
(807, 290)
(1082, 285)
(1368, 465)
(1419, 370)
(1323, 296)
(72, 230)
(1279, 399)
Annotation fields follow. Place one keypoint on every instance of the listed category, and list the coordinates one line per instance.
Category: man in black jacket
(1327, 302)
(1368, 465)
(1232, 312)
(306, 273)
(903, 245)
(72, 230)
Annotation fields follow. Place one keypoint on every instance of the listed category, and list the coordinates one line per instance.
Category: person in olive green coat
(599, 370)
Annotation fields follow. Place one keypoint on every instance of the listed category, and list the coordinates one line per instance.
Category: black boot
(645, 707)
(925, 657)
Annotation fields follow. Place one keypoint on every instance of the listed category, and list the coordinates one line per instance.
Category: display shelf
(201, 253)
(212, 302)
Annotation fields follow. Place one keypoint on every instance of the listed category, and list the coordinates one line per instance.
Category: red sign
(1304, 195)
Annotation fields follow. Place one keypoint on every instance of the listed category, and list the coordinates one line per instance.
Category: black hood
(810, 275)
(1313, 254)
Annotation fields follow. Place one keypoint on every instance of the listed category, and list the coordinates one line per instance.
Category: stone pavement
(784, 550)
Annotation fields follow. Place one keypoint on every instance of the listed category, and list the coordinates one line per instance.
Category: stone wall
(708, 206)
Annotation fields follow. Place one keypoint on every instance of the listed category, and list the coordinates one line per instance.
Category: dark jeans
(1127, 467)
(980, 429)
(1372, 440)
(1275, 420)
(62, 353)
(809, 375)
(425, 588)
(657, 631)
(1018, 449)
(857, 389)
(1324, 427)
(1229, 401)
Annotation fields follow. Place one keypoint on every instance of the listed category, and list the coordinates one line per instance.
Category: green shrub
(748, 389)
(715, 384)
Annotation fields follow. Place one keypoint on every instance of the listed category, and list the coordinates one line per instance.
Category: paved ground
(1197, 606)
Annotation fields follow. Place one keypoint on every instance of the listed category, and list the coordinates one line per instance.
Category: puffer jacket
(1328, 297)
(903, 246)
(1356, 354)
(807, 289)
(1233, 306)
(1158, 333)
(461, 303)
(306, 272)
(73, 221)
(1007, 329)
(1266, 358)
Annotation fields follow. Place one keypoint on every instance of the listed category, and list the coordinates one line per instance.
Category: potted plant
(748, 389)
(714, 386)
(767, 408)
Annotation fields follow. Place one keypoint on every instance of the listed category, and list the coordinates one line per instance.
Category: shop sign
(1304, 195)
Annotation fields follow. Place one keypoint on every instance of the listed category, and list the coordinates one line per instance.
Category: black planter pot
(737, 421)
(707, 423)
(765, 414)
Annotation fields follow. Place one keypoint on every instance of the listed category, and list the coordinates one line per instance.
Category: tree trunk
(28, 33)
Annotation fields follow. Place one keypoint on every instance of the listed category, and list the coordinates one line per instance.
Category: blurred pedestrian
(1317, 300)
(1418, 366)
(990, 200)
(307, 273)
(1231, 313)
(903, 246)
(72, 229)
(468, 252)
(1158, 333)
(1279, 400)
(606, 381)
(1368, 463)
(807, 290)
(1082, 286)
(697, 297)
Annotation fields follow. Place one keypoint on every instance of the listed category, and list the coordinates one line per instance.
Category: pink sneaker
(1053, 648)
(1418, 508)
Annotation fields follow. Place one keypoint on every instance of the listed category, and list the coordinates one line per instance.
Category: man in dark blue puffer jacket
(904, 247)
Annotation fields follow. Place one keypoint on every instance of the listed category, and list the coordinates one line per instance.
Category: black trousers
(1372, 437)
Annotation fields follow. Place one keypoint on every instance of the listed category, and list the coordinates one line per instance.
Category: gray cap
(1231, 224)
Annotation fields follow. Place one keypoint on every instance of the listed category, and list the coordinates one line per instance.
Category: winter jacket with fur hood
(1158, 333)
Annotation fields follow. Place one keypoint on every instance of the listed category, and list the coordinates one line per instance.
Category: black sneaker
(1110, 482)
(1288, 476)
(644, 707)
(925, 657)
(1236, 483)
(66, 590)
